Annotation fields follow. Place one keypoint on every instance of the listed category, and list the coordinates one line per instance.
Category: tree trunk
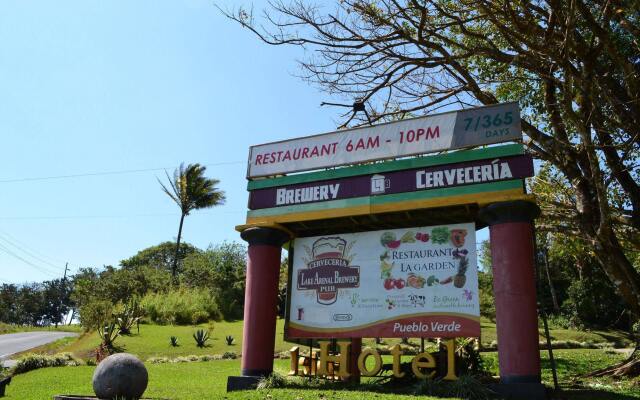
(554, 298)
(174, 269)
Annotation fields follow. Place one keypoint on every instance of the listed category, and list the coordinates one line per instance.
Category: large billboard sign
(412, 282)
(452, 130)
(409, 180)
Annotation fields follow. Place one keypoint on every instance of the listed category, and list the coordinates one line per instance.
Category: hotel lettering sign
(452, 130)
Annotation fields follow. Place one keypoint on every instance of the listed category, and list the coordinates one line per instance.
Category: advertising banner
(412, 282)
(452, 130)
(409, 180)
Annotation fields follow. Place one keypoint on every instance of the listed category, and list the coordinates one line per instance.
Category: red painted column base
(260, 305)
(514, 288)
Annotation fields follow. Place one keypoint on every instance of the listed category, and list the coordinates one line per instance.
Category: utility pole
(66, 268)
(64, 281)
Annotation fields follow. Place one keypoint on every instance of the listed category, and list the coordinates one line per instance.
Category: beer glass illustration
(330, 247)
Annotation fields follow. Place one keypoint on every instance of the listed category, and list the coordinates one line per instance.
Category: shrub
(95, 314)
(173, 340)
(127, 315)
(466, 387)
(31, 362)
(229, 355)
(201, 337)
(273, 381)
(229, 340)
(181, 306)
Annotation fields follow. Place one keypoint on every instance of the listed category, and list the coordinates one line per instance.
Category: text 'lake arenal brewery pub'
(381, 244)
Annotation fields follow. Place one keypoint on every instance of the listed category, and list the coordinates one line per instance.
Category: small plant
(229, 355)
(33, 361)
(173, 340)
(108, 334)
(229, 340)
(129, 314)
(273, 381)
(201, 337)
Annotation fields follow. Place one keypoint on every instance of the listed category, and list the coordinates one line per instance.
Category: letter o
(362, 362)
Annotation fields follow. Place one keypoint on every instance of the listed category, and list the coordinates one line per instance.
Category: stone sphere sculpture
(120, 376)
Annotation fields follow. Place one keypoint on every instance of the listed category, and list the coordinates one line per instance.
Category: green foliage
(273, 381)
(35, 304)
(116, 285)
(95, 314)
(487, 301)
(181, 306)
(30, 362)
(173, 341)
(159, 257)
(191, 190)
(466, 387)
(229, 355)
(220, 269)
(127, 315)
(108, 333)
(201, 337)
(229, 340)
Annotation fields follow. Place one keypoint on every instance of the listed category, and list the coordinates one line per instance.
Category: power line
(23, 244)
(30, 254)
(111, 216)
(29, 263)
(103, 173)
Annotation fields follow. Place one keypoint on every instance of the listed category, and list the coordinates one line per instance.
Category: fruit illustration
(399, 283)
(415, 281)
(389, 283)
(423, 237)
(459, 253)
(440, 235)
(394, 244)
(432, 280)
(387, 237)
(408, 237)
(457, 237)
(460, 279)
(446, 280)
(385, 269)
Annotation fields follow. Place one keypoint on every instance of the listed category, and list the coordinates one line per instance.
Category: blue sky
(108, 86)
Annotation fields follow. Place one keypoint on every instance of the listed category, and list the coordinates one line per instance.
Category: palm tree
(191, 190)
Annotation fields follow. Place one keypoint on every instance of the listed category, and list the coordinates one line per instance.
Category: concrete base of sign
(235, 383)
(521, 391)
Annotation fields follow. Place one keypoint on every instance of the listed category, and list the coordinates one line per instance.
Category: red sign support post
(512, 257)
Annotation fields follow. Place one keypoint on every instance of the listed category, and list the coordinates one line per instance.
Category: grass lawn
(8, 328)
(201, 380)
(153, 340)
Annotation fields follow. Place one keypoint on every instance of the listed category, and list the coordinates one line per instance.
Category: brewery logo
(328, 270)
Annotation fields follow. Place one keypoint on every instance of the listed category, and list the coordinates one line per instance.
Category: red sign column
(260, 304)
(514, 288)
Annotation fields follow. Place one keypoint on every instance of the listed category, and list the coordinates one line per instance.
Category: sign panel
(410, 180)
(453, 130)
(415, 282)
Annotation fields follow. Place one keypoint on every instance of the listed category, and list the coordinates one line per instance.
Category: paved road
(13, 343)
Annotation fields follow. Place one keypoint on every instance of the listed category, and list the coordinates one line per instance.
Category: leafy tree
(56, 300)
(191, 190)
(573, 66)
(221, 269)
(8, 307)
(112, 285)
(161, 256)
